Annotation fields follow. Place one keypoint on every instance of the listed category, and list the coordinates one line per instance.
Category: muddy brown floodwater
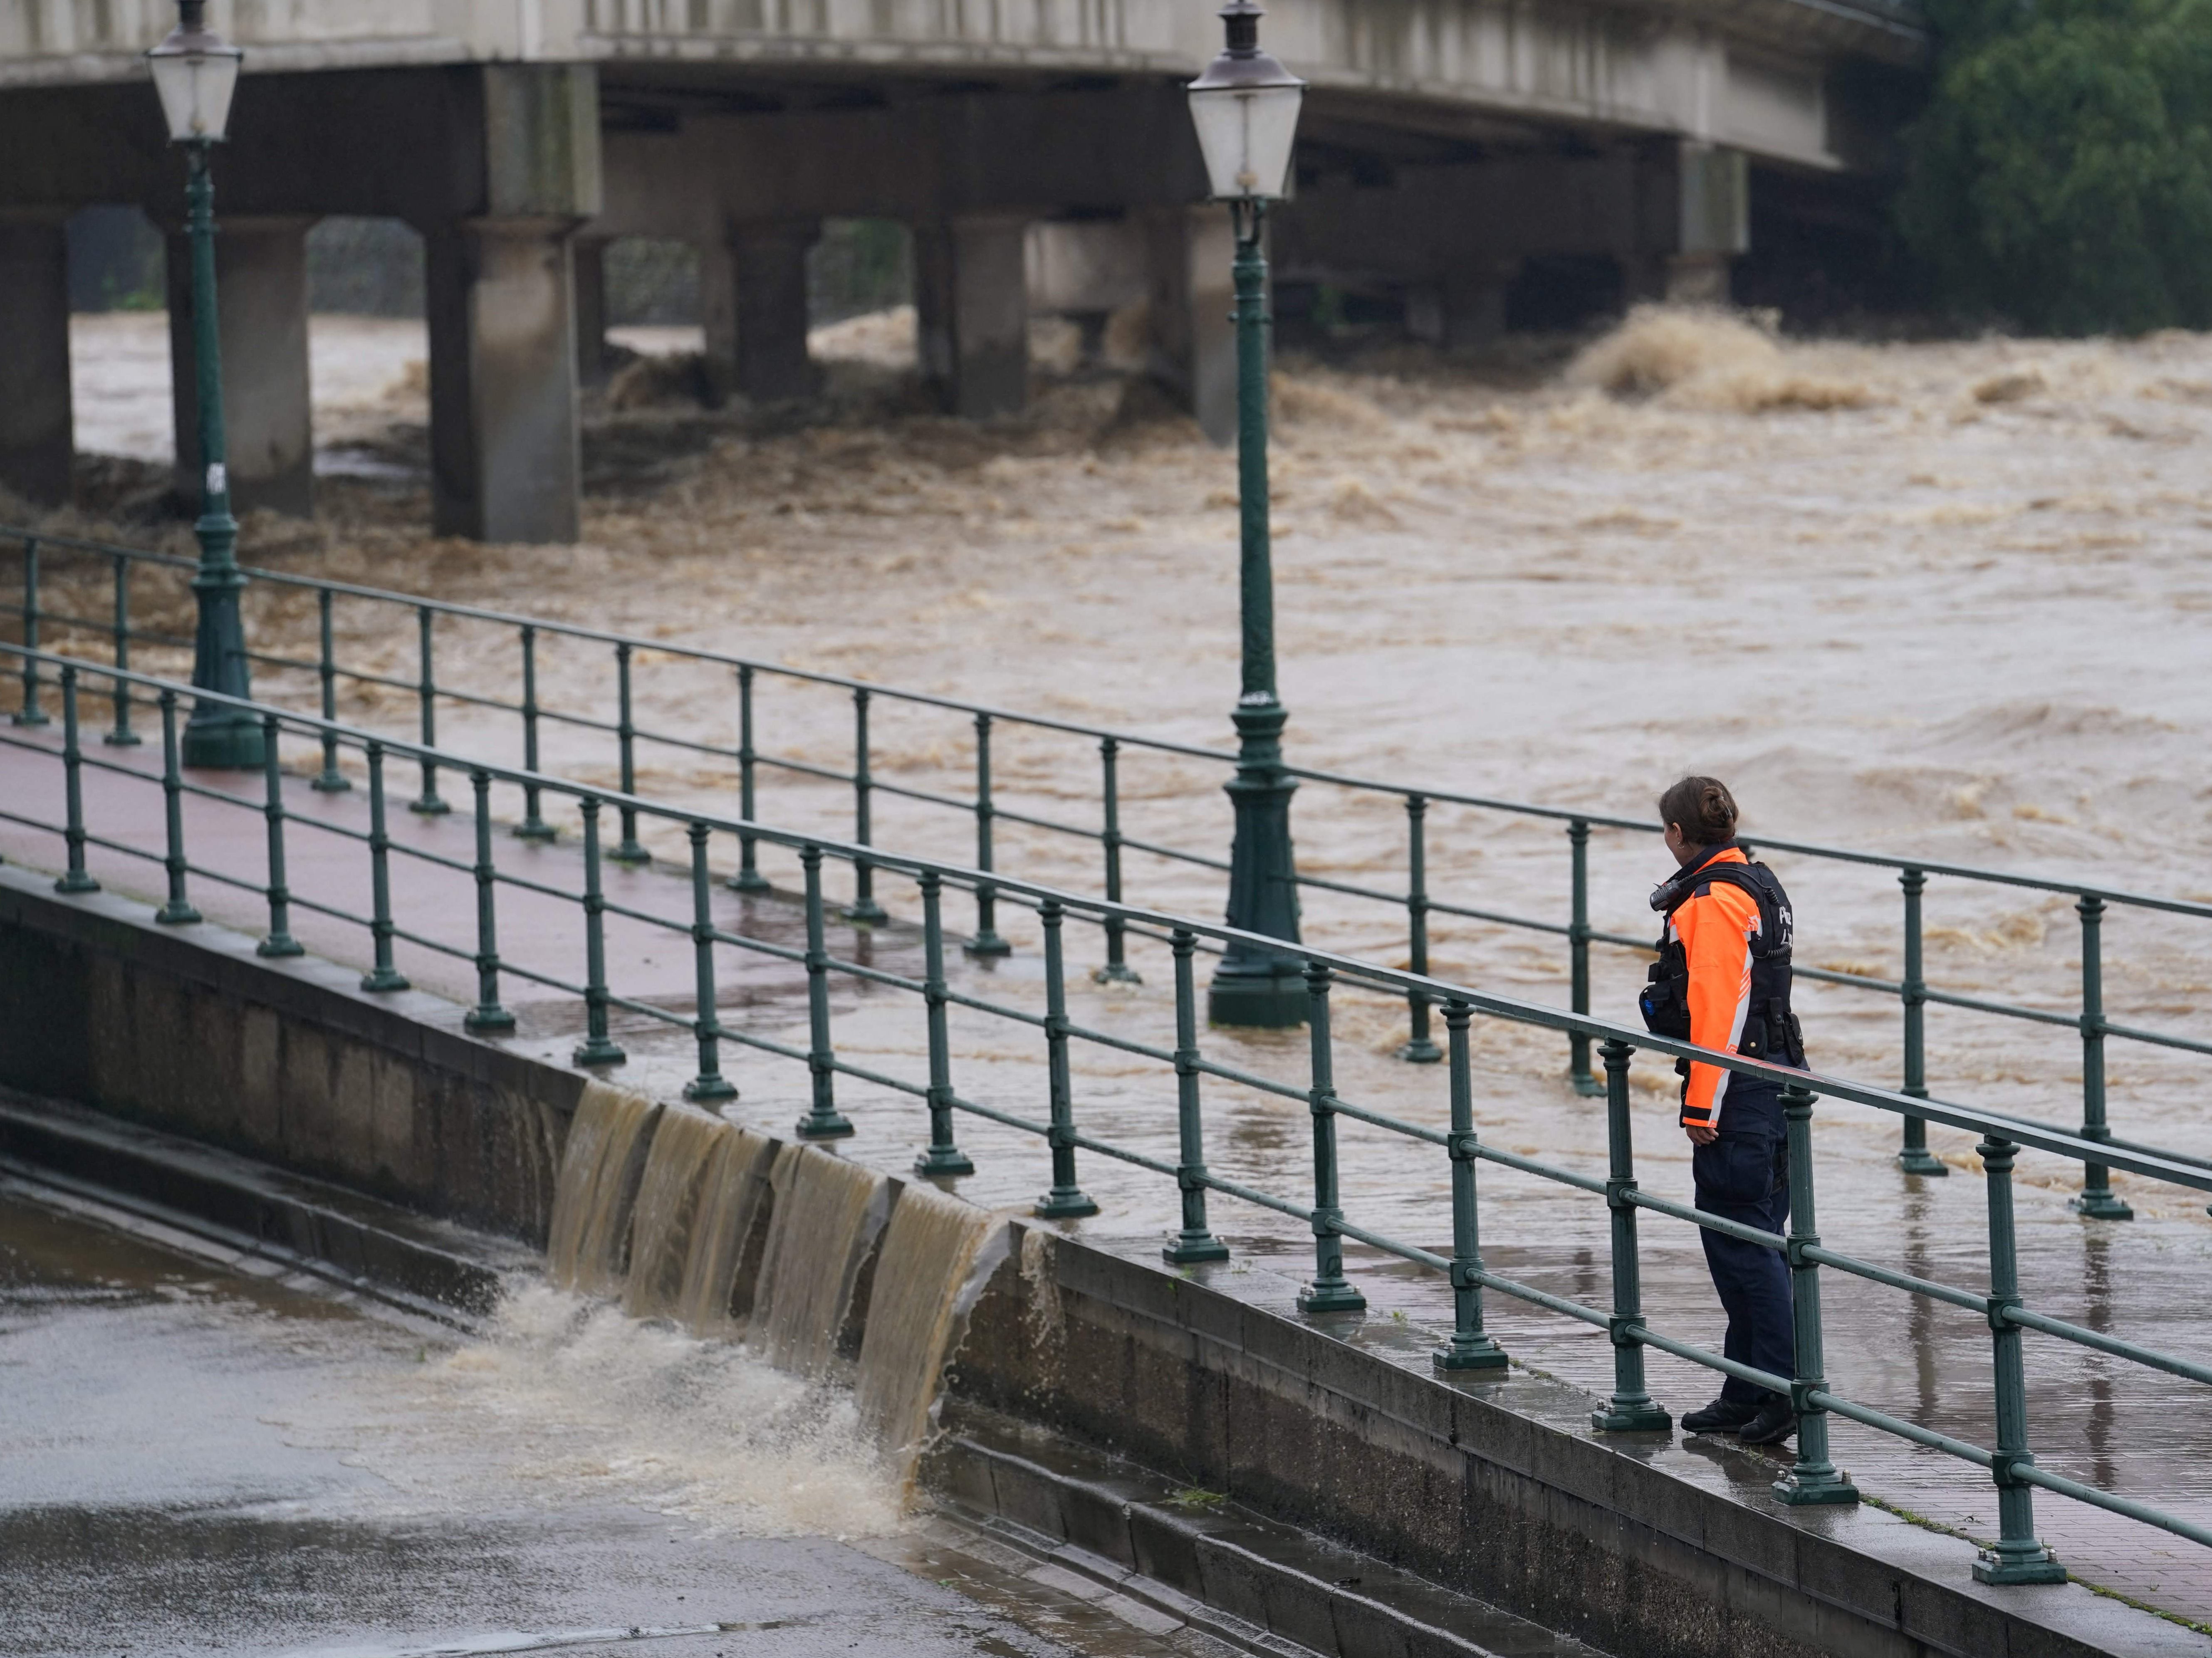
(1944, 598)
(1937, 599)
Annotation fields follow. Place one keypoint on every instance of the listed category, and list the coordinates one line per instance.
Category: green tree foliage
(2061, 177)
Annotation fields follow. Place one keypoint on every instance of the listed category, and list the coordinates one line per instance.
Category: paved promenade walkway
(2096, 1419)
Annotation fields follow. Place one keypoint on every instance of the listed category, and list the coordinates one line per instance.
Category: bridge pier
(261, 301)
(505, 464)
(972, 313)
(588, 280)
(767, 267)
(1189, 298)
(37, 437)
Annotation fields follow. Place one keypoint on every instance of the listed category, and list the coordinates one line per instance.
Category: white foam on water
(565, 1400)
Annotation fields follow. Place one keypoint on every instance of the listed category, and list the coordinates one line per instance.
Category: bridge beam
(36, 432)
(261, 301)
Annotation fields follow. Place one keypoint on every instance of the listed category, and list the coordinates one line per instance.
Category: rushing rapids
(819, 1267)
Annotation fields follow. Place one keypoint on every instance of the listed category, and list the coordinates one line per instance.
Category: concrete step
(424, 1266)
(1263, 1586)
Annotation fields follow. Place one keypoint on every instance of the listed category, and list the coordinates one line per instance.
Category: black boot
(1774, 1423)
(1724, 1416)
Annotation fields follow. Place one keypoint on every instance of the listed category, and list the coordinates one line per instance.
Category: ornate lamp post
(195, 71)
(1246, 109)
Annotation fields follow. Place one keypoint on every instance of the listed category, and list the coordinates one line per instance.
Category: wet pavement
(195, 1460)
(2093, 1417)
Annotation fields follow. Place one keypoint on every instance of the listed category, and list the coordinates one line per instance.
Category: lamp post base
(1259, 1000)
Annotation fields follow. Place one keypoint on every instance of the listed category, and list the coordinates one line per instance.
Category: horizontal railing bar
(2119, 1505)
(1711, 1223)
(1488, 1003)
(2039, 1015)
(2026, 1318)
(1410, 1130)
(1490, 1153)
(1043, 722)
(1027, 1124)
(1710, 1360)
(1083, 1142)
(1896, 1280)
(1871, 1417)
(1438, 906)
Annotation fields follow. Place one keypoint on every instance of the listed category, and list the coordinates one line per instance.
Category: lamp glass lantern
(195, 72)
(1245, 107)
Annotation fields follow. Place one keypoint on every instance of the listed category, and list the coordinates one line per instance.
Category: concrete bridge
(1460, 159)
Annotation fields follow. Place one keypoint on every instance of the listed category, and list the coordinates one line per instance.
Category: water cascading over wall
(788, 1247)
(586, 1248)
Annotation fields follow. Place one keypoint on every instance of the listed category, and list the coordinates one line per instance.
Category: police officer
(1722, 982)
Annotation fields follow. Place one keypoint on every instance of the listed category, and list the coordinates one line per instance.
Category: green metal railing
(1911, 991)
(2017, 1556)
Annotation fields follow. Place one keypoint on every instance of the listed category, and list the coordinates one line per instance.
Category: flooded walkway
(2095, 1419)
(198, 1458)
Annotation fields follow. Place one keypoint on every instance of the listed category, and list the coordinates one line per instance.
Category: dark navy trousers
(1744, 1175)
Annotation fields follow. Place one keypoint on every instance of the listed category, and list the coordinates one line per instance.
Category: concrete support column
(590, 265)
(36, 435)
(718, 313)
(972, 313)
(769, 263)
(504, 462)
(261, 299)
(1465, 307)
(1190, 291)
(1695, 216)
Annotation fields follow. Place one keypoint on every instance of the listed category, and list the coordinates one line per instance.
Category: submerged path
(2099, 1419)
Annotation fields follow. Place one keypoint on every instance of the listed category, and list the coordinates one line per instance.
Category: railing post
(2096, 1201)
(1330, 1290)
(1813, 1480)
(426, 697)
(748, 877)
(821, 1120)
(1066, 1201)
(987, 941)
(1914, 1157)
(627, 850)
(710, 1084)
(1117, 969)
(487, 1016)
(1470, 1347)
(944, 1157)
(1632, 1408)
(2019, 1556)
(533, 826)
(597, 1048)
(30, 714)
(122, 736)
(330, 779)
(74, 879)
(280, 941)
(1578, 943)
(1194, 1243)
(863, 907)
(381, 975)
(1419, 1048)
(178, 911)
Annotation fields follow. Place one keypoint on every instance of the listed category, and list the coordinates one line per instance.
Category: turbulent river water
(1937, 599)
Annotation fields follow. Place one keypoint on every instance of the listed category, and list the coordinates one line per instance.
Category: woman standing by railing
(1722, 982)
